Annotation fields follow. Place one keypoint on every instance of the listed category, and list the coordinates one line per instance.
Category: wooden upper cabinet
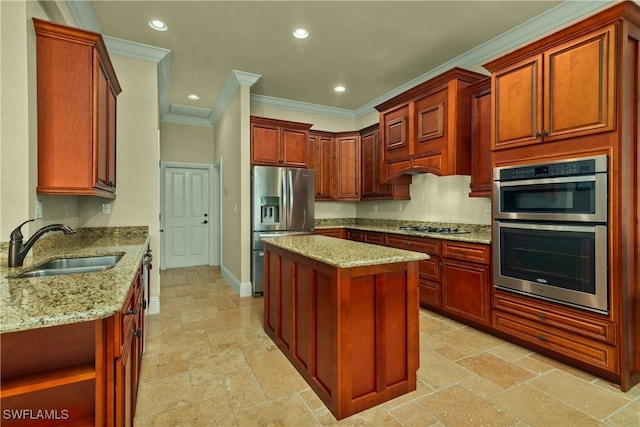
(279, 143)
(481, 169)
(566, 90)
(324, 164)
(372, 187)
(347, 153)
(77, 90)
(426, 129)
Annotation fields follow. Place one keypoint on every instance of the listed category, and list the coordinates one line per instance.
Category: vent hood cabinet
(77, 89)
(427, 128)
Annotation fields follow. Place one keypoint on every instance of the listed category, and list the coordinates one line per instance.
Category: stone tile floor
(208, 363)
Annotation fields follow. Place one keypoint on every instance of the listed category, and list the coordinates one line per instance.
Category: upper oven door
(574, 198)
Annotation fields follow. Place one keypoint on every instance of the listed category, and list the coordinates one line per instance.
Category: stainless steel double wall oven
(550, 231)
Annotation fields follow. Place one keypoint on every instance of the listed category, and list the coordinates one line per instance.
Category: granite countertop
(38, 302)
(343, 253)
(477, 233)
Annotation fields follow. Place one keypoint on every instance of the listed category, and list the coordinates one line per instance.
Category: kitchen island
(346, 316)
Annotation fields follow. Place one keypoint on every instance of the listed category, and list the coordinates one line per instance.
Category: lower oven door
(563, 263)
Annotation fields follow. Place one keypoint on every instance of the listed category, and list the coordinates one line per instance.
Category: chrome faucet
(17, 250)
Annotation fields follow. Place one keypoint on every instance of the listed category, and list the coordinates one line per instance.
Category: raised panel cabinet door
(265, 144)
(517, 97)
(101, 161)
(431, 118)
(481, 171)
(348, 167)
(465, 291)
(294, 148)
(324, 167)
(112, 141)
(395, 133)
(579, 87)
(370, 180)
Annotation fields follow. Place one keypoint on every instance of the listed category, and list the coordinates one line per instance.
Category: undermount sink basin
(73, 265)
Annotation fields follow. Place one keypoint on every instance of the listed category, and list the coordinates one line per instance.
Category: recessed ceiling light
(193, 97)
(339, 88)
(300, 33)
(158, 25)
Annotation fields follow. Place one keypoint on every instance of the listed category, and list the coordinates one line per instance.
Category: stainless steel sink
(73, 266)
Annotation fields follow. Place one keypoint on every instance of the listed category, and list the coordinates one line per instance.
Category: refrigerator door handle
(290, 198)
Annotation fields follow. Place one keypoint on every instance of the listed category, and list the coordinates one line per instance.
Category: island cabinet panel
(352, 333)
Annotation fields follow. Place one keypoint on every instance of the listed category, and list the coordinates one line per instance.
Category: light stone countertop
(38, 302)
(343, 253)
(479, 235)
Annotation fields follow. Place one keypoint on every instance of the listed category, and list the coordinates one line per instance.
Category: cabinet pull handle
(541, 316)
(144, 304)
(134, 311)
(138, 333)
(542, 337)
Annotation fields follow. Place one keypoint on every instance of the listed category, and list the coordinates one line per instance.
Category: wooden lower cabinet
(466, 285)
(331, 232)
(352, 333)
(574, 335)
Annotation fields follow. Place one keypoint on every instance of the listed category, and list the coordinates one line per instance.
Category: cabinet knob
(138, 333)
(144, 304)
(134, 311)
(542, 337)
(541, 316)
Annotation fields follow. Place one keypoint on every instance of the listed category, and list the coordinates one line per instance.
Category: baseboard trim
(243, 289)
(154, 305)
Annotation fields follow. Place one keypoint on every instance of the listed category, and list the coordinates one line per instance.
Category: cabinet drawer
(355, 235)
(430, 293)
(594, 353)
(430, 269)
(541, 312)
(331, 232)
(467, 252)
(417, 244)
(373, 237)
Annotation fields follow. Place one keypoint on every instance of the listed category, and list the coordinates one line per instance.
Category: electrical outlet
(399, 207)
(487, 207)
(38, 210)
(375, 208)
(106, 208)
(338, 207)
(67, 207)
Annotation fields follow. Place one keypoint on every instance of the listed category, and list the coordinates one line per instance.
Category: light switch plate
(106, 208)
(38, 210)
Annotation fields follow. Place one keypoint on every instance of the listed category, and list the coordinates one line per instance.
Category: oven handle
(548, 227)
(560, 180)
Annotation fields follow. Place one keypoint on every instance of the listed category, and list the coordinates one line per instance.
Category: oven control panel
(588, 166)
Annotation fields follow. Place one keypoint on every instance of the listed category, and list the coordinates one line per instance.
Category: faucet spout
(18, 250)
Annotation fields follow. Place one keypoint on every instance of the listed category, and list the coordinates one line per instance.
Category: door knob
(205, 222)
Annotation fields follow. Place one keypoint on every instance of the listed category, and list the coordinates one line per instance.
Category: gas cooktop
(437, 230)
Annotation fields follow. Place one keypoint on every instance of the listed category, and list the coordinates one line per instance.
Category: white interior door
(187, 217)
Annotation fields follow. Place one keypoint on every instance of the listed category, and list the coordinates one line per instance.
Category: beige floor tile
(219, 363)
(439, 372)
(287, 411)
(213, 412)
(510, 352)
(470, 341)
(535, 408)
(582, 395)
(276, 375)
(214, 388)
(496, 370)
(482, 387)
(163, 394)
(413, 415)
(244, 392)
(172, 368)
(628, 416)
(456, 406)
(311, 399)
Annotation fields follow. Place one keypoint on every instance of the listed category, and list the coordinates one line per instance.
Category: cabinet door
(579, 87)
(481, 172)
(395, 132)
(102, 160)
(465, 291)
(348, 167)
(294, 148)
(370, 181)
(431, 123)
(111, 183)
(265, 144)
(324, 167)
(517, 105)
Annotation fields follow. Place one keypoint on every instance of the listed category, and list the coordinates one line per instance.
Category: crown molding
(287, 104)
(543, 24)
(234, 81)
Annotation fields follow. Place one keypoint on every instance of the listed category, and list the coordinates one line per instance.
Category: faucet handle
(16, 234)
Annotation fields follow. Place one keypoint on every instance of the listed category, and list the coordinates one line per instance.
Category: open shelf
(44, 380)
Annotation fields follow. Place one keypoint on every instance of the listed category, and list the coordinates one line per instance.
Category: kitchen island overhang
(345, 314)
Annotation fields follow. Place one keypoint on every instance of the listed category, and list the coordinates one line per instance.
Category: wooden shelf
(45, 380)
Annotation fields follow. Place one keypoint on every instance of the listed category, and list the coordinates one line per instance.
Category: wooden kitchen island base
(351, 330)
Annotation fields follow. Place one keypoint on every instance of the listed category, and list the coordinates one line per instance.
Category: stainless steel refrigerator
(282, 203)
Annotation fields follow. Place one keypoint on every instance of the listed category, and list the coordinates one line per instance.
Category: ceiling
(370, 47)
